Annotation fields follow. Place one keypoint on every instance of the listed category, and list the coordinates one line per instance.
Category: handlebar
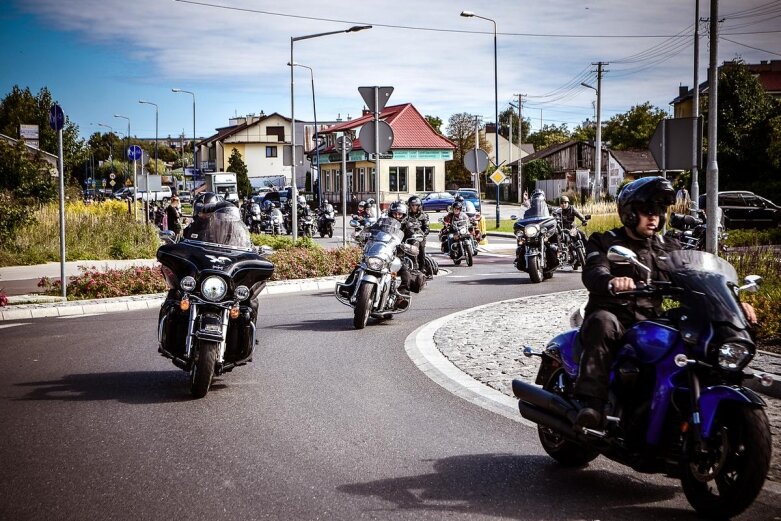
(644, 290)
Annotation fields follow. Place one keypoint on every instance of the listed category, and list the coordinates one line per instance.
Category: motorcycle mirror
(587, 216)
(620, 254)
(751, 284)
(354, 223)
(265, 250)
(514, 217)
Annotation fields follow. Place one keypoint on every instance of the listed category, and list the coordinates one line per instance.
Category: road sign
(112, 175)
(383, 94)
(112, 182)
(134, 152)
(56, 117)
(344, 142)
(476, 161)
(287, 159)
(497, 177)
(672, 143)
(385, 133)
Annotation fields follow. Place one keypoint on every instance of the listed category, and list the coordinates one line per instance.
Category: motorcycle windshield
(707, 280)
(538, 209)
(222, 226)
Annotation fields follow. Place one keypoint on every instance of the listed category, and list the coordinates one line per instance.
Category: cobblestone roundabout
(486, 343)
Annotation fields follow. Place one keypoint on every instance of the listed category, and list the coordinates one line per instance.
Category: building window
(327, 174)
(278, 132)
(372, 177)
(397, 178)
(424, 178)
(271, 151)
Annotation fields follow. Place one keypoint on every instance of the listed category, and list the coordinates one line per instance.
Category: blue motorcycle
(677, 404)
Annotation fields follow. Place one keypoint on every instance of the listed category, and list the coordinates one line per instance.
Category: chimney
(349, 117)
(365, 112)
(682, 90)
(339, 118)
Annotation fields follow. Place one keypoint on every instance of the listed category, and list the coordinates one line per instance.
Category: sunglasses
(651, 210)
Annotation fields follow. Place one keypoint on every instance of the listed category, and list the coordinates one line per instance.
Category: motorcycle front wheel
(535, 269)
(724, 480)
(469, 260)
(363, 305)
(330, 232)
(202, 371)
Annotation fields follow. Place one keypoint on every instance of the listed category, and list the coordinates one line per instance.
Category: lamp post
(146, 174)
(135, 184)
(598, 158)
(291, 64)
(193, 95)
(314, 112)
(470, 14)
(110, 147)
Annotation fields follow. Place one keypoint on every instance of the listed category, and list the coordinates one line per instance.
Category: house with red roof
(414, 164)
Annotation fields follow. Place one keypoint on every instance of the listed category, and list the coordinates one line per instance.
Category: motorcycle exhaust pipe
(544, 400)
(546, 419)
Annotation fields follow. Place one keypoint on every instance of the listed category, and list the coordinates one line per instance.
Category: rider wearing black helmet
(455, 215)
(642, 208)
(417, 222)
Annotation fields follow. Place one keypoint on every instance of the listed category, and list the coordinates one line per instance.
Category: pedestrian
(173, 215)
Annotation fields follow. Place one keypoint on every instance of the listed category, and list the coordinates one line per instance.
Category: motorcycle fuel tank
(649, 341)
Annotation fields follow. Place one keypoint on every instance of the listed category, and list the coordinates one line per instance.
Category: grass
(92, 232)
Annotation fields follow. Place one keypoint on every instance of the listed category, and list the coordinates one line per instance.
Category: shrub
(91, 283)
(282, 242)
(753, 237)
(301, 262)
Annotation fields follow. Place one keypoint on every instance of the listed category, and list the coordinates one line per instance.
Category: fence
(553, 188)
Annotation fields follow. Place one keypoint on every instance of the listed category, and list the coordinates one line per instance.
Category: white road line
(82, 316)
(14, 325)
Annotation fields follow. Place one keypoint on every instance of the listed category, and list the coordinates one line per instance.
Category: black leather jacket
(599, 271)
(415, 223)
(568, 216)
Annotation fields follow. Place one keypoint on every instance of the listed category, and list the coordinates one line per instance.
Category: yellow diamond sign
(498, 178)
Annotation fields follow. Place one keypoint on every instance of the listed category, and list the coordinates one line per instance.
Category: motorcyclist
(473, 214)
(398, 211)
(568, 214)
(642, 208)
(371, 209)
(455, 216)
(417, 222)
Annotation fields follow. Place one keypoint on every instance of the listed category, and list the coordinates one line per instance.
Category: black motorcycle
(325, 220)
(570, 243)
(207, 321)
(537, 236)
(692, 230)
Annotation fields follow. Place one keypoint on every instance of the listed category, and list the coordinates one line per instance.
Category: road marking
(83, 315)
(14, 325)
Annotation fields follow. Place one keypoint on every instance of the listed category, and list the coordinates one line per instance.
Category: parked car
(470, 194)
(744, 209)
(124, 193)
(437, 201)
(164, 194)
(185, 196)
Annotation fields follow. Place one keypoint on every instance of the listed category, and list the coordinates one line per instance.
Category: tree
(535, 170)
(435, 122)
(22, 107)
(237, 166)
(461, 131)
(586, 131)
(549, 135)
(25, 175)
(634, 128)
(510, 114)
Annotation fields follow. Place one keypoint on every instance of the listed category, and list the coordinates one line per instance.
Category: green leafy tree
(510, 114)
(536, 170)
(548, 136)
(634, 128)
(24, 174)
(461, 130)
(237, 166)
(435, 122)
(586, 131)
(22, 107)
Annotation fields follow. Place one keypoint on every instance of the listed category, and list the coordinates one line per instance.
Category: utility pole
(520, 148)
(695, 190)
(712, 174)
(598, 159)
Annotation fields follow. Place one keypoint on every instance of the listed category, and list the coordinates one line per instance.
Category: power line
(750, 47)
(429, 29)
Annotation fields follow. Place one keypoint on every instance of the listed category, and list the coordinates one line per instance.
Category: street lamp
(110, 147)
(193, 95)
(146, 172)
(598, 158)
(470, 14)
(291, 64)
(314, 111)
(135, 183)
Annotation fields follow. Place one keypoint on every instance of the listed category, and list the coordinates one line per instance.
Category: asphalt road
(327, 423)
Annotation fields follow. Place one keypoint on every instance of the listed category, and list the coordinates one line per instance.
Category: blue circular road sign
(134, 152)
(56, 117)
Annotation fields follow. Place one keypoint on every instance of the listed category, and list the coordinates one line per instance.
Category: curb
(136, 302)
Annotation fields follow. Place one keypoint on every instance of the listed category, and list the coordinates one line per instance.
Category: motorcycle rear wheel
(726, 481)
(363, 305)
(567, 453)
(202, 371)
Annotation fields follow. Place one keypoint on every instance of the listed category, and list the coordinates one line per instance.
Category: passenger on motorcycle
(371, 209)
(361, 212)
(454, 216)
(417, 222)
(398, 211)
(642, 208)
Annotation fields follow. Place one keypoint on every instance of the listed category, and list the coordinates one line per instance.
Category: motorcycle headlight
(187, 283)
(531, 230)
(214, 288)
(374, 263)
(241, 292)
(733, 356)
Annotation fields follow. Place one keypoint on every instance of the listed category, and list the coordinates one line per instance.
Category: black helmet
(398, 207)
(538, 193)
(458, 205)
(646, 193)
(205, 201)
(413, 200)
(459, 198)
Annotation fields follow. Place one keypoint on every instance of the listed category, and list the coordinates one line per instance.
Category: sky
(98, 58)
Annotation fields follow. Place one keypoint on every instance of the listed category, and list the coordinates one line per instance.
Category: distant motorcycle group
(270, 218)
